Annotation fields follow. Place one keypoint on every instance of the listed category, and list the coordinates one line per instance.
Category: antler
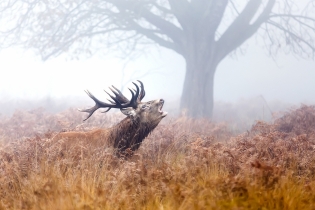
(142, 92)
(118, 101)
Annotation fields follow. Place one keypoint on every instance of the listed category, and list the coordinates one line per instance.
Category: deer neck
(129, 133)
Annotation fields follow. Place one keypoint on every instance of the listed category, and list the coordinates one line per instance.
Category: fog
(25, 77)
(26, 82)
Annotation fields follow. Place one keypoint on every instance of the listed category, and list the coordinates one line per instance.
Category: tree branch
(234, 7)
(180, 9)
(292, 34)
(166, 27)
(240, 30)
(291, 16)
(140, 10)
(151, 34)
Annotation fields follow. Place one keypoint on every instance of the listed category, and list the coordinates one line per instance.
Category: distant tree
(204, 32)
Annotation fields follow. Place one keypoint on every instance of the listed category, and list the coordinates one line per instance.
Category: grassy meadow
(183, 164)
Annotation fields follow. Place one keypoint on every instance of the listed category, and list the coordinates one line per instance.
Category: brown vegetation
(183, 164)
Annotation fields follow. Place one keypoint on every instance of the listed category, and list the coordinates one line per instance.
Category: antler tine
(111, 101)
(132, 101)
(101, 104)
(92, 109)
(119, 95)
(142, 92)
(106, 110)
(137, 91)
(135, 98)
(118, 101)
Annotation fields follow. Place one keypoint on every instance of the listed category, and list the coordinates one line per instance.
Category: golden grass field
(183, 164)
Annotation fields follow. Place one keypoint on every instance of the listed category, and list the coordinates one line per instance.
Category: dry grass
(183, 164)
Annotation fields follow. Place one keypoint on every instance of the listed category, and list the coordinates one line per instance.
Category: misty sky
(24, 75)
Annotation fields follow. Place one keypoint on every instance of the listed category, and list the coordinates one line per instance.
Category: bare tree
(199, 30)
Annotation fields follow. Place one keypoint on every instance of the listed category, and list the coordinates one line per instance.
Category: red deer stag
(142, 118)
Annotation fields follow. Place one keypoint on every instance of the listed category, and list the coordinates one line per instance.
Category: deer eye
(143, 106)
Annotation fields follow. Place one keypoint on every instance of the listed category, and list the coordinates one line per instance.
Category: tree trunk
(197, 96)
(199, 48)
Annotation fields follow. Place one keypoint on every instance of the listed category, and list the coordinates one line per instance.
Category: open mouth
(160, 108)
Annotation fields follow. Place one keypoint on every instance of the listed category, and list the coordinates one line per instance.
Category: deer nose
(161, 101)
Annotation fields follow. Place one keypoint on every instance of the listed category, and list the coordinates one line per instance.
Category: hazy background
(27, 82)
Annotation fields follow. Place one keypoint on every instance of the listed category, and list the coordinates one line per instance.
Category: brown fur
(127, 134)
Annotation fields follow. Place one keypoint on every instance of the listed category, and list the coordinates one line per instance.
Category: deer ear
(128, 111)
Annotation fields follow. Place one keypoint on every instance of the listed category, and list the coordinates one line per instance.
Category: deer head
(142, 112)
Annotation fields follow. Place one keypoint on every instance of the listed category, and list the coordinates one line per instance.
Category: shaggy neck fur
(129, 133)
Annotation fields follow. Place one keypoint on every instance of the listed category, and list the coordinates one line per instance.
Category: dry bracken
(183, 164)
